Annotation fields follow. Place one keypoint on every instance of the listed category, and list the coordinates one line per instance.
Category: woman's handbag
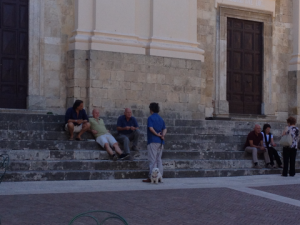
(286, 140)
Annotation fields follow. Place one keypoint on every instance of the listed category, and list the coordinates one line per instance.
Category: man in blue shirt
(76, 120)
(128, 130)
(156, 131)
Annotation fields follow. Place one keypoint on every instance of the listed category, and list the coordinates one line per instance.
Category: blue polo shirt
(71, 114)
(158, 125)
(122, 122)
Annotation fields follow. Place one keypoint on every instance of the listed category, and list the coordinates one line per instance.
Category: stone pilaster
(294, 65)
(77, 77)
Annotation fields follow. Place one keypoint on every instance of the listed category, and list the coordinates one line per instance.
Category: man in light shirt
(104, 138)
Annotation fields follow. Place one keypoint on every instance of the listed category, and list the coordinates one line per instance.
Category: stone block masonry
(112, 81)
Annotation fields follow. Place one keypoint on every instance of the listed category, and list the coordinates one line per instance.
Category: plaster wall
(149, 27)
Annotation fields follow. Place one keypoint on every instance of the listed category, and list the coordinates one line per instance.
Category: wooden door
(13, 53)
(244, 66)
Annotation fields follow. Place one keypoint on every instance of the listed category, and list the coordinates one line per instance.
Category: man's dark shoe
(134, 148)
(114, 157)
(148, 180)
(268, 166)
(256, 166)
(124, 156)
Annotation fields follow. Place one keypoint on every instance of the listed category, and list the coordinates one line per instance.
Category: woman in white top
(290, 152)
(269, 144)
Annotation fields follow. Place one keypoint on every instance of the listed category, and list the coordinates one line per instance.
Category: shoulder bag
(286, 140)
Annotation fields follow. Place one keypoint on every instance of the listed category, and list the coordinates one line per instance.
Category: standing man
(128, 130)
(156, 131)
(104, 138)
(254, 145)
(76, 120)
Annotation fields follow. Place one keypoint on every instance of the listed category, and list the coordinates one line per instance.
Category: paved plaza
(265, 199)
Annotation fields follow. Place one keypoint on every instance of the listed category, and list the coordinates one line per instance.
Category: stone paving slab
(208, 206)
(290, 191)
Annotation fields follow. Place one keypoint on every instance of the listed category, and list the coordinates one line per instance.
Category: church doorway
(244, 66)
(14, 53)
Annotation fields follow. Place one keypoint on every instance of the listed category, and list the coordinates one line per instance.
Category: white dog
(156, 176)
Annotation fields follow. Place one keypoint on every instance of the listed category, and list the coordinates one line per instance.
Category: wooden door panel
(8, 71)
(23, 44)
(248, 62)
(237, 84)
(23, 17)
(248, 84)
(248, 41)
(13, 53)
(244, 66)
(237, 59)
(9, 15)
(9, 41)
(237, 39)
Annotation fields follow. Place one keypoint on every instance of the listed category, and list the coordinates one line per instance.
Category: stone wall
(186, 89)
(112, 81)
(208, 27)
(51, 25)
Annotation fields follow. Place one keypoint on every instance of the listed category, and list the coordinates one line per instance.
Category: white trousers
(106, 138)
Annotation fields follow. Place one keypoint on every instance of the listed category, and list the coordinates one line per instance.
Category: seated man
(104, 138)
(127, 127)
(76, 120)
(254, 145)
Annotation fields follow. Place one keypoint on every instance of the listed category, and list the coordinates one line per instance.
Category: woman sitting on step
(269, 144)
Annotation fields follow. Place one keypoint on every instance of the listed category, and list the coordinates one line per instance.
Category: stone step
(133, 174)
(62, 135)
(131, 165)
(42, 155)
(214, 130)
(142, 120)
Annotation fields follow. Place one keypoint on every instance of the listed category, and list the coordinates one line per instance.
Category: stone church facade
(197, 58)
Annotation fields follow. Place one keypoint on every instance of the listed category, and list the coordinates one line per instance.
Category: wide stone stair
(39, 149)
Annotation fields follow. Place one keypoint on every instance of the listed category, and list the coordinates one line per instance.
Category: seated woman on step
(269, 144)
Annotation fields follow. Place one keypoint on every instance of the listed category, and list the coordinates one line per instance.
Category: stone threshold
(245, 117)
(24, 111)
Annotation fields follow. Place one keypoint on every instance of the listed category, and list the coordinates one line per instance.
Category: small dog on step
(156, 176)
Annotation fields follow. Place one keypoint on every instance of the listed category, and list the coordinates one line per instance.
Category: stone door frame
(35, 98)
(221, 105)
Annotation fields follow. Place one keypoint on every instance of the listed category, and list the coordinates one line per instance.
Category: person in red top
(254, 145)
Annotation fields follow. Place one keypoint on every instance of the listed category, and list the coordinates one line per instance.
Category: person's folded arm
(252, 145)
(154, 132)
(121, 128)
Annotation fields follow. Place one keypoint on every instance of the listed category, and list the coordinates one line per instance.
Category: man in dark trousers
(76, 120)
(128, 130)
(254, 145)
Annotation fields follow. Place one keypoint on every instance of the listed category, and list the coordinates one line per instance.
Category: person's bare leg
(108, 149)
(117, 148)
(71, 130)
(85, 127)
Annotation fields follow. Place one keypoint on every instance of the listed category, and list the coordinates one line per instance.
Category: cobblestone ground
(208, 206)
(290, 191)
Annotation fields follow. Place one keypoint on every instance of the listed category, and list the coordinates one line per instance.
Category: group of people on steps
(263, 143)
(258, 142)
(77, 121)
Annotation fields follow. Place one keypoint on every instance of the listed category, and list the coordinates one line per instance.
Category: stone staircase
(39, 150)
